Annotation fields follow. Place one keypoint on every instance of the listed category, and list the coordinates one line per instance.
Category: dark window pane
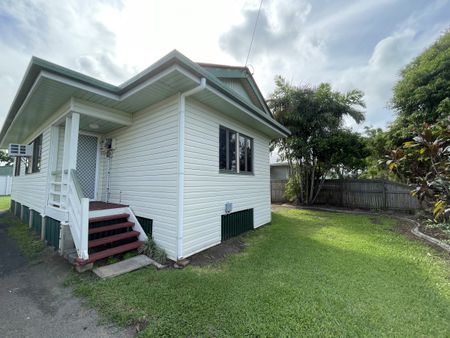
(231, 150)
(222, 148)
(27, 165)
(17, 167)
(249, 155)
(242, 151)
(37, 152)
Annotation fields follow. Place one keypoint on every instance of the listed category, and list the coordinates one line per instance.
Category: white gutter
(181, 124)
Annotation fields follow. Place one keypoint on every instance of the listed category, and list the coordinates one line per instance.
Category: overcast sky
(351, 44)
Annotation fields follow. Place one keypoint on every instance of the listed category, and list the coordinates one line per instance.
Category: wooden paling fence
(364, 194)
(277, 188)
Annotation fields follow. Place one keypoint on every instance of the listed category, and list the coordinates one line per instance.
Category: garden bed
(435, 232)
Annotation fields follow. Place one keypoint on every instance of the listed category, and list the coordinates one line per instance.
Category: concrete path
(122, 267)
(34, 302)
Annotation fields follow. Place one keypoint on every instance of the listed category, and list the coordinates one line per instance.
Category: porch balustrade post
(73, 141)
(65, 162)
(70, 153)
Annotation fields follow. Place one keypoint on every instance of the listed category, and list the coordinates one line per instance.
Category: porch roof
(46, 87)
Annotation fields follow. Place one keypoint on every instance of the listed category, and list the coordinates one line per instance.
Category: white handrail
(78, 207)
(84, 228)
(70, 197)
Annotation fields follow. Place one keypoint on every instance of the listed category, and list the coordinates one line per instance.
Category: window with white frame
(235, 152)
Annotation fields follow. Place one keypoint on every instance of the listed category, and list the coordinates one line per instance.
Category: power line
(253, 35)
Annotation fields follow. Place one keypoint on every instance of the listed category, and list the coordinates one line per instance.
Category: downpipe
(181, 133)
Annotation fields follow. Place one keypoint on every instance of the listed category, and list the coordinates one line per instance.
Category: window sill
(31, 174)
(229, 172)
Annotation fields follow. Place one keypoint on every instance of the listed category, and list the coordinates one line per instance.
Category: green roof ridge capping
(85, 79)
(229, 92)
(236, 72)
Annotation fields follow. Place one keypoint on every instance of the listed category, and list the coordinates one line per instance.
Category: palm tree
(315, 117)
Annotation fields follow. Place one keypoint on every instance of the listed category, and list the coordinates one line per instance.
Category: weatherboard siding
(29, 189)
(237, 87)
(207, 190)
(144, 170)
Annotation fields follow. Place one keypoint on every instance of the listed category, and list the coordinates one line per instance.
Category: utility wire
(253, 35)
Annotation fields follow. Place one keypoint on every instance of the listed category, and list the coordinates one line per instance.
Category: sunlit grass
(309, 273)
(5, 202)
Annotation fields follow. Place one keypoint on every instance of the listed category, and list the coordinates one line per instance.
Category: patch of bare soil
(218, 253)
(405, 228)
(434, 232)
(140, 324)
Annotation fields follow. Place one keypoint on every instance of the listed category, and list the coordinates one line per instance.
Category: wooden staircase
(110, 235)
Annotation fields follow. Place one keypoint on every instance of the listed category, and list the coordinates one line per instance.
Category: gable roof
(243, 73)
(121, 97)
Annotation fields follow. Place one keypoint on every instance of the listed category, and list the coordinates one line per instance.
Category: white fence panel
(5, 185)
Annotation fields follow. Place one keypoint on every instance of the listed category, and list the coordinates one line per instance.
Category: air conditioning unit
(20, 150)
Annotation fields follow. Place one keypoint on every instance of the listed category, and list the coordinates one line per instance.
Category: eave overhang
(172, 74)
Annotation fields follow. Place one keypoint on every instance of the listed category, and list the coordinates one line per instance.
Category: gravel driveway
(34, 302)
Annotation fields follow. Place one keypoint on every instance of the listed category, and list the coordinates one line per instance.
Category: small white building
(179, 152)
(279, 171)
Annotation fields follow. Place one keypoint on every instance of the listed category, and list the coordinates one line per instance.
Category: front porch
(79, 188)
(79, 142)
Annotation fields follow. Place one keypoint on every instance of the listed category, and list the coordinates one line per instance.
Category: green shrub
(444, 226)
(151, 250)
(129, 254)
(292, 188)
(112, 260)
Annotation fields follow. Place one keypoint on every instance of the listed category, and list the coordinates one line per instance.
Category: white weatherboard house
(179, 152)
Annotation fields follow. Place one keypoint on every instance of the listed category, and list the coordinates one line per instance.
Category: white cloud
(106, 39)
(318, 41)
(350, 44)
(379, 75)
(65, 32)
(145, 31)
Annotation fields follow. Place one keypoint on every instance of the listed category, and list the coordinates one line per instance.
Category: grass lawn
(5, 202)
(28, 243)
(309, 273)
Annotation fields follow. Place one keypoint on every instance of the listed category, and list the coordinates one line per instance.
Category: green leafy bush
(425, 160)
(151, 250)
(292, 188)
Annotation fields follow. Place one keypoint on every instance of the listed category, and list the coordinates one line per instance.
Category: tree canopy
(4, 158)
(419, 138)
(422, 94)
(319, 143)
(377, 147)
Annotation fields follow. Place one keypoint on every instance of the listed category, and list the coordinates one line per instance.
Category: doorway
(87, 158)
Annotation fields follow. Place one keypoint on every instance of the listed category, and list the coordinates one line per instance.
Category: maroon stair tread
(99, 205)
(110, 227)
(114, 238)
(113, 251)
(108, 217)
